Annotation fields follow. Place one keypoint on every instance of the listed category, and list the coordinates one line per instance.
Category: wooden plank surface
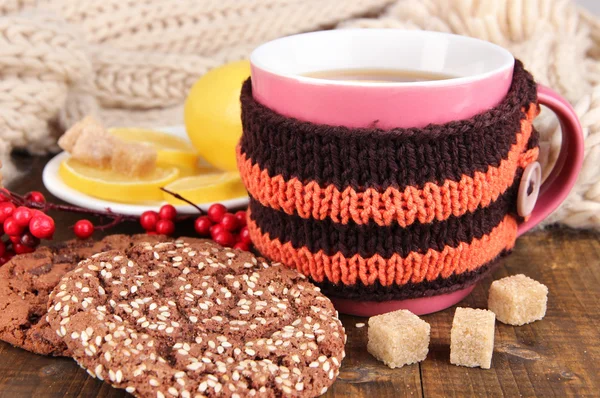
(558, 356)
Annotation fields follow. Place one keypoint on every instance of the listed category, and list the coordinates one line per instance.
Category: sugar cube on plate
(398, 338)
(68, 140)
(92, 149)
(518, 299)
(88, 142)
(472, 338)
(133, 159)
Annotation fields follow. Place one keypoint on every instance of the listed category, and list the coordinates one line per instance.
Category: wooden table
(558, 356)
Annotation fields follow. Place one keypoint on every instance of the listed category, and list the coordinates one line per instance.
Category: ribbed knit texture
(382, 214)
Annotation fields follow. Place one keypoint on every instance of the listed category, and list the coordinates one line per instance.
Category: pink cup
(484, 74)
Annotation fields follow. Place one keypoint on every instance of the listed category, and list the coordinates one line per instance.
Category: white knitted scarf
(131, 62)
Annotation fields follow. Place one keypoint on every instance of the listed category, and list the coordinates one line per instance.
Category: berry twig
(24, 222)
(19, 200)
(178, 196)
(227, 229)
(115, 221)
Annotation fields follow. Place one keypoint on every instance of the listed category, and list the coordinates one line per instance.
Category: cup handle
(564, 173)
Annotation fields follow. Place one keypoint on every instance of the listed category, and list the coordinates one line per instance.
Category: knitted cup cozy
(379, 214)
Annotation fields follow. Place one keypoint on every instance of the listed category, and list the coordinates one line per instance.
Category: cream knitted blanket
(131, 62)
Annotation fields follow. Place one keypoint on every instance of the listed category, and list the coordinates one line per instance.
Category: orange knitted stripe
(416, 267)
(426, 204)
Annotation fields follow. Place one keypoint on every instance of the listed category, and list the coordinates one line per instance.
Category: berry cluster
(225, 228)
(24, 226)
(25, 222)
(161, 222)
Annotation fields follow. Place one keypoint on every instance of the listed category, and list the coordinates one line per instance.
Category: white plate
(58, 188)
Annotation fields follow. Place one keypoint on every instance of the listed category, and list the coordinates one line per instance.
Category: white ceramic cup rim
(467, 58)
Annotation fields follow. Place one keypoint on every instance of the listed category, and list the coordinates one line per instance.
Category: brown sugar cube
(93, 149)
(398, 338)
(88, 142)
(68, 140)
(517, 300)
(134, 159)
(472, 338)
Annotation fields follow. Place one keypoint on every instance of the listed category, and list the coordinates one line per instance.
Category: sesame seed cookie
(195, 320)
(27, 280)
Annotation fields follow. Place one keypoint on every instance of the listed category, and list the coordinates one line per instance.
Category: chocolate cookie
(195, 320)
(27, 280)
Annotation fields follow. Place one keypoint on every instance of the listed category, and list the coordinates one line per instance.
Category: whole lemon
(212, 113)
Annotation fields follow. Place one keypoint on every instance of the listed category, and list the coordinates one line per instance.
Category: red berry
(11, 228)
(148, 220)
(224, 238)
(20, 248)
(36, 197)
(22, 215)
(29, 240)
(15, 239)
(216, 212)
(216, 229)
(242, 246)
(230, 222)
(83, 229)
(165, 227)
(241, 217)
(6, 210)
(2, 248)
(245, 235)
(167, 212)
(202, 225)
(42, 226)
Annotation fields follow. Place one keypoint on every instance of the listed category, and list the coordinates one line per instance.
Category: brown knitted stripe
(372, 157)
(417, 267)
(370, 238)
(378, 292)
(432, 202)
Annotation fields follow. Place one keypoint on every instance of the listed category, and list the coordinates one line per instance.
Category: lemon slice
(206, 188)
(171, 150)
(200, 170)
(109, 185)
